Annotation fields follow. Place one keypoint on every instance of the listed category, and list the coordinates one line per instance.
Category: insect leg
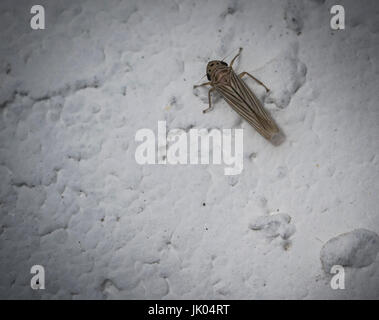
(260, 82)
(203, 84)
(209, 99)
(231, 62)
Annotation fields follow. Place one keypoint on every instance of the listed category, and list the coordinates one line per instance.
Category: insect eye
(223, 63)
(208, 76)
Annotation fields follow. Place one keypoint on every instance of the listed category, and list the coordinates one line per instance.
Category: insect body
(238, 95)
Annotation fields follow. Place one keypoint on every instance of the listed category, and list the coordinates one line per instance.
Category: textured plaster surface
(74, 200)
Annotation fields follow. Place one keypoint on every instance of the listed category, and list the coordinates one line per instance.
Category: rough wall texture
(74, 200)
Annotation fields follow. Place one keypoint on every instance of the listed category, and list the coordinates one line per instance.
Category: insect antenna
(221, 60)
(201, 78)
(228, 54)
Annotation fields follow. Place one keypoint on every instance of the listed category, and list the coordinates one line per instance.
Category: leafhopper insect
(238, 95)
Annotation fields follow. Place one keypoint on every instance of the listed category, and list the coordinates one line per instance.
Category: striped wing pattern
(238, 95)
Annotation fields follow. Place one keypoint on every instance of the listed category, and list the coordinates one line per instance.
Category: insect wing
(239, 96)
